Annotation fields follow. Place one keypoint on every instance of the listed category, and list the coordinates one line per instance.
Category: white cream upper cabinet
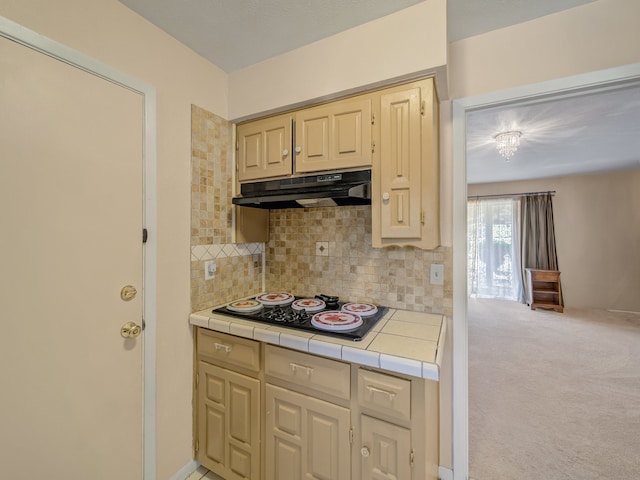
(334, 136)
(264, 148)
(405, 187)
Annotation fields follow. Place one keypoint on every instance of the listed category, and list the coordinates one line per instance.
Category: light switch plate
(437, 274)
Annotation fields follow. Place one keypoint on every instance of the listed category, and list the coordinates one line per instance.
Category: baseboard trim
(445, 473)
(185, 471)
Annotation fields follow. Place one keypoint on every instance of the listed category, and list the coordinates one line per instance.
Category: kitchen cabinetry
(393, 131)
(544, 289)
(269, 412)
(264, 148)
(334, 136)
(307, 416)
(228, 405)
(305, 437)
(406, 184)
(390, 427)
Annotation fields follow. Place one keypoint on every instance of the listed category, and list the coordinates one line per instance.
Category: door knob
(130, 330)
(364, 451)
(386, 196)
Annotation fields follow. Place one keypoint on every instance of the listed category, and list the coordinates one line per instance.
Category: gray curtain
(537, 236)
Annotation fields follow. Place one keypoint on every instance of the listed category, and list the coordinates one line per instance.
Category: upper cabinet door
(405, 197)
(334, 136)
(264, 148)
(400, 150)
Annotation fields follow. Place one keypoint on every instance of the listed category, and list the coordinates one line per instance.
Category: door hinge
(422, 216)
(373, 147)
(145, 235)
(237, 145)
(197, 379)
(351, 435)
(373, 119)
(411, 457)
(197, 446)
(423, 107)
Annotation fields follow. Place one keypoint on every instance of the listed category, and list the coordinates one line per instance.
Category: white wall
(409, 41)
(597, 225)
(115, 36)
(595, 36)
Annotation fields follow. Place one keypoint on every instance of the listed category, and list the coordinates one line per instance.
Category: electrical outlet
(209, 269)
(437, 274)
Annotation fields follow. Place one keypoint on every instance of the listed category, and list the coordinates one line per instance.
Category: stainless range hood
(324, 190)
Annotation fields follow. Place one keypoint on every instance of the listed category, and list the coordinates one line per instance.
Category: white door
(70, 238)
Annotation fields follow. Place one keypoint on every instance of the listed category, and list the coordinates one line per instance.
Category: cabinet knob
(386, 196)
(298, 149)
(285, 152)
(364, 451)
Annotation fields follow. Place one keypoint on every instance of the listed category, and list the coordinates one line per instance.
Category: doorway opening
(577, 85)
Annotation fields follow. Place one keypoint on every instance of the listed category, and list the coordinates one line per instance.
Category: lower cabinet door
(228, 423)
(306, 438)
(385, 451)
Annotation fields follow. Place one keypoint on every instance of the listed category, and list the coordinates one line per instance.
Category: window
(493, 266)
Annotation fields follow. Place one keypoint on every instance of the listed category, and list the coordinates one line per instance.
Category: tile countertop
(402, 341)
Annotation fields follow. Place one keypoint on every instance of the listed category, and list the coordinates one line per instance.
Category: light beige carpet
(553, 396)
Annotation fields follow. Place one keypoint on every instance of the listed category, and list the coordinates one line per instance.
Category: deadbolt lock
(130, 330)
(128, 292)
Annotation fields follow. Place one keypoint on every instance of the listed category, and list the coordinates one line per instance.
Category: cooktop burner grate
(288, 317)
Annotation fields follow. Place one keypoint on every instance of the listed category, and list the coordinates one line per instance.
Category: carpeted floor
(553, 396)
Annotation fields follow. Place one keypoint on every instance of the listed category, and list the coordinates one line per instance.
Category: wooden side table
(544, 289)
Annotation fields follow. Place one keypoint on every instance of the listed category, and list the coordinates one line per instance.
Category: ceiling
(234, 34)
(581, 134)
(575, 135)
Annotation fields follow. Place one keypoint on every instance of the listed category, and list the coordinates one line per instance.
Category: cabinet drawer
(316, 373)
(227, 349)
(385, 394)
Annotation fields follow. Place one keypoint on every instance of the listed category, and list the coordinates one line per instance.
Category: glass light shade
(507, 143)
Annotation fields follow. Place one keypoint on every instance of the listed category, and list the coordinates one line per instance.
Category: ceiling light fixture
(507, 143)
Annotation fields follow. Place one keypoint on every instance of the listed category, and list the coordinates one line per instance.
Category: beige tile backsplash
(311, 250)
(395, 277)
(238, 267)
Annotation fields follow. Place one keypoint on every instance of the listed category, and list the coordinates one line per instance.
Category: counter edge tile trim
(331, 350)
(294, 341)
(219, 325)
(199, 320)
(401, 365)
(266, 335)
(363, 357)
(240, 330)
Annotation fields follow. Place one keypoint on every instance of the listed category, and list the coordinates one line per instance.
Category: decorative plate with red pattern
(336, 321)
(245, 306)
(275, 298)
(308, 304)
(362, 309)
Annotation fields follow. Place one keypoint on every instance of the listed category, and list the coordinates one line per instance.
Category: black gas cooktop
(288, 317)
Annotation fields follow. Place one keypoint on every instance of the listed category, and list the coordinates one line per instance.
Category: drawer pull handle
(389, 394)
(221, 346)
(296, 366)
